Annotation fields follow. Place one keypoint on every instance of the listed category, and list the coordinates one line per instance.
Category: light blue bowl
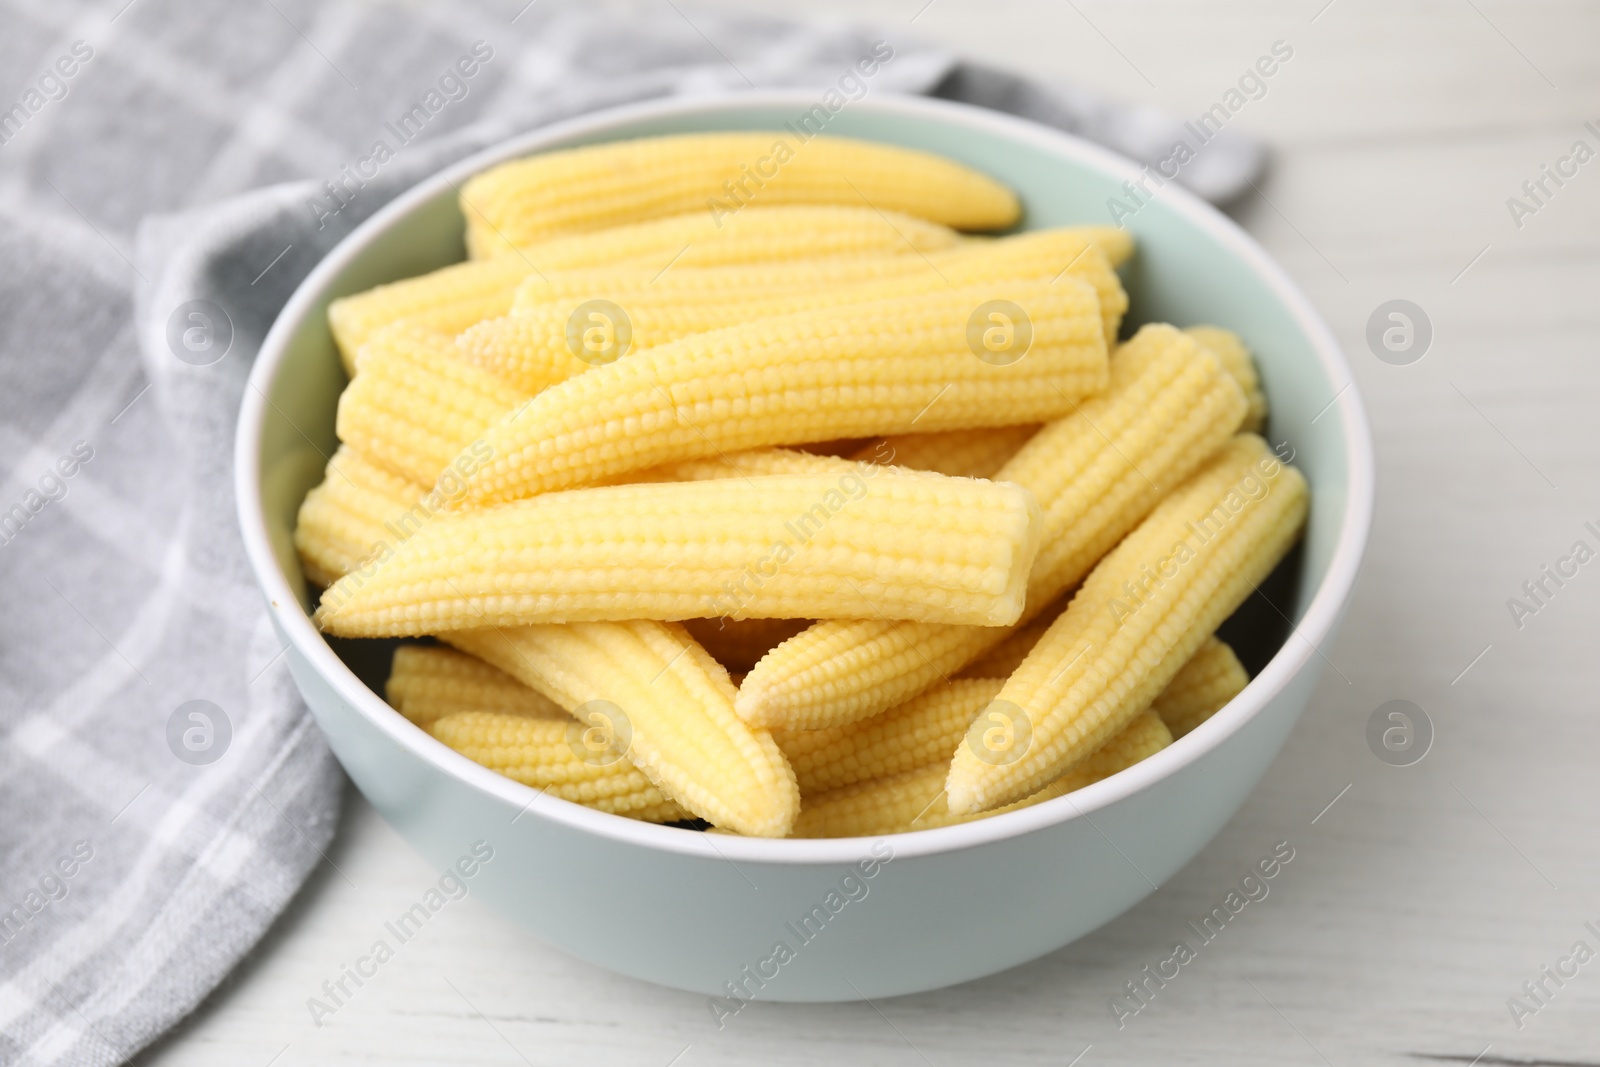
(708, 912)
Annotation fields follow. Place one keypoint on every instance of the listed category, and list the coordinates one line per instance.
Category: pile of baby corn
(769, 495)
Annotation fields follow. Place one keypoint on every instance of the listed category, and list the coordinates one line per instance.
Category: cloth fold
(167, 791)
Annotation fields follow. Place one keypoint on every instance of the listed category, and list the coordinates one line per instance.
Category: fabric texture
(165, 790)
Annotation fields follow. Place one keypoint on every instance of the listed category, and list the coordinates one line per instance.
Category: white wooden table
(1425, 896)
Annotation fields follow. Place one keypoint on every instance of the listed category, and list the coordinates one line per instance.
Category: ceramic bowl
(856, 918)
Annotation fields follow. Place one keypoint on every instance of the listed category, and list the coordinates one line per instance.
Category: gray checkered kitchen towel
(164, 790)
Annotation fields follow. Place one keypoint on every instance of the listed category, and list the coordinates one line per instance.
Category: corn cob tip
(1136, 620)
(1205, 685)
(919, 733)
(658, 701)
(549, 754)
(915, 799)
(1231, 352)
(428, 682)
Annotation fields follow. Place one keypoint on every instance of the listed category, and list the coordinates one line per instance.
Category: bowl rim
(1321, 615)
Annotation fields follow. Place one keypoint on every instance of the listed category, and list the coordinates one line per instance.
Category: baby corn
(452, 298)
(427, 682)
(1115, 242)
(540, 753)
(899, 543)
(342, 521)
(687, 300)
(1101, 469)
(1096, 473)
(1046, 254)
(890, 366)
(913, 778)
(1212, 677)
(448, 300)
(1004, 658)
(698, 285)
(539, 345)
(1088, 253)
(918, 733)
(923, 732)
(756, 235)
(649, 693)
(750, 464)
(578, 190)
(1228, 347)
(1142, 613)
(415, 407)
(418, 405)
(915, 800)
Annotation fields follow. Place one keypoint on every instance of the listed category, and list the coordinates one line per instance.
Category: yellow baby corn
(752, 463)
(898, 804)
(416, 406)
(539, 345)
(1004, 658)
(1037, 254)
(1096, 473)
(447, 300)
(756, 235)
(1083, 252)
(452, 298)
(737, 283)
(541, 753)
(1142, 613)
(891, 366)
(427, 682)
(839, 671)
(1101, 469)
(915, 800)
(738, 643)
(578, 190)
(415, 395)
(531, 350)
(342, 520)
(649, 693)
(918, 733)
(1114, 241)
(1212, 677)
(958, 453)
(905, 544)
(1228, 347)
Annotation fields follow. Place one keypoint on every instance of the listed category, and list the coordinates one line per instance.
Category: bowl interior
(1192, 266)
